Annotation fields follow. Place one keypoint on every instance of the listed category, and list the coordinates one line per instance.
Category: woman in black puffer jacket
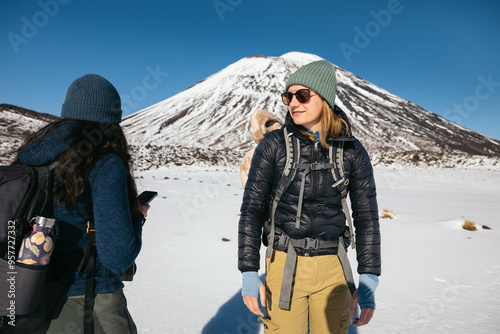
(320, 298)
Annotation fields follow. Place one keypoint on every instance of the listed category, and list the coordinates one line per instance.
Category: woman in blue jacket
(94, 182)
(309, 218)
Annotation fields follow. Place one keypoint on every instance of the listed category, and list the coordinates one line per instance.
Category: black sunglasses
(302, 95)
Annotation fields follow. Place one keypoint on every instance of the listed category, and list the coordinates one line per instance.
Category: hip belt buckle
(311, 243)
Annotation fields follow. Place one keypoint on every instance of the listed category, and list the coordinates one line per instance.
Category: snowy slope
(436, 277)
(15, 125)
(215, 113)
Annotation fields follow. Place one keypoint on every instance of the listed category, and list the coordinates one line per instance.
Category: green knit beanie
(318, 76)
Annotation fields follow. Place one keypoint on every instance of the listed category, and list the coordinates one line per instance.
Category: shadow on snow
(234, 318)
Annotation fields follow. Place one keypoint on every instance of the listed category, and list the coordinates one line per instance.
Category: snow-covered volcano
(208, 123)
(215, 113)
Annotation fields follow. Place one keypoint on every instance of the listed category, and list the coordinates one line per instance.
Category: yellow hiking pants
(320, 296)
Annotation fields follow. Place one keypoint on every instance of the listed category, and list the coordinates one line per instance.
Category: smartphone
(146, 197)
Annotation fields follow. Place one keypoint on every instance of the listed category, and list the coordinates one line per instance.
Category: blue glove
(251, 284)
(366, 292)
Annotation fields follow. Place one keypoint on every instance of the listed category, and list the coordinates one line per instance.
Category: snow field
(436, 276)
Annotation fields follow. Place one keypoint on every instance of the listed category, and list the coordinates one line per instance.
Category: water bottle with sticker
(37, 247)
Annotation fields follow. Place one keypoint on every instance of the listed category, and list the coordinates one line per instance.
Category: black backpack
(26, 192)
(29, 293)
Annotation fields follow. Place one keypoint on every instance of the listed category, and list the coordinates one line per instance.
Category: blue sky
(441, 55)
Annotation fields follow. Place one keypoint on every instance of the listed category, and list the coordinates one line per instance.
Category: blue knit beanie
(318, 76)
(92, 98)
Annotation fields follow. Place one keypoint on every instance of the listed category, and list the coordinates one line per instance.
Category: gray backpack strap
(286, 178)
(270, 240)
(301, 196)
(292, 157)
(291, 254)
(341, 182)
(287, 281)
(346, 266)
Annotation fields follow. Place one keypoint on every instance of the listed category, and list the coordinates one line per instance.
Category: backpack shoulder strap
(88, 268)
(48, 205)
(292, 157)
(341, 182)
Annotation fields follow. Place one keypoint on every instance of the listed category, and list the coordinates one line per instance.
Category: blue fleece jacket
(118, 236)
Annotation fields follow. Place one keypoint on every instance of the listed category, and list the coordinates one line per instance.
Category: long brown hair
(331, 125)
(74, 165)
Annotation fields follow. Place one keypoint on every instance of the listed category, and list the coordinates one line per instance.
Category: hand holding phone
(146, 197)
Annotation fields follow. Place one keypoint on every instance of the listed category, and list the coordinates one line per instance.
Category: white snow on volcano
(214, 114)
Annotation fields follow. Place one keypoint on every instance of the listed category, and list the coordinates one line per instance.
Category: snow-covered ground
(436, 276)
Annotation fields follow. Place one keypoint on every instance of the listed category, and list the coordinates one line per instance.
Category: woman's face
(307, 114)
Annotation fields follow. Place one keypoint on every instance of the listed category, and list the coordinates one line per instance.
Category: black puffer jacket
(322, 215)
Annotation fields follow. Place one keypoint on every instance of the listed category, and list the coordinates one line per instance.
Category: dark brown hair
(91, 142)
